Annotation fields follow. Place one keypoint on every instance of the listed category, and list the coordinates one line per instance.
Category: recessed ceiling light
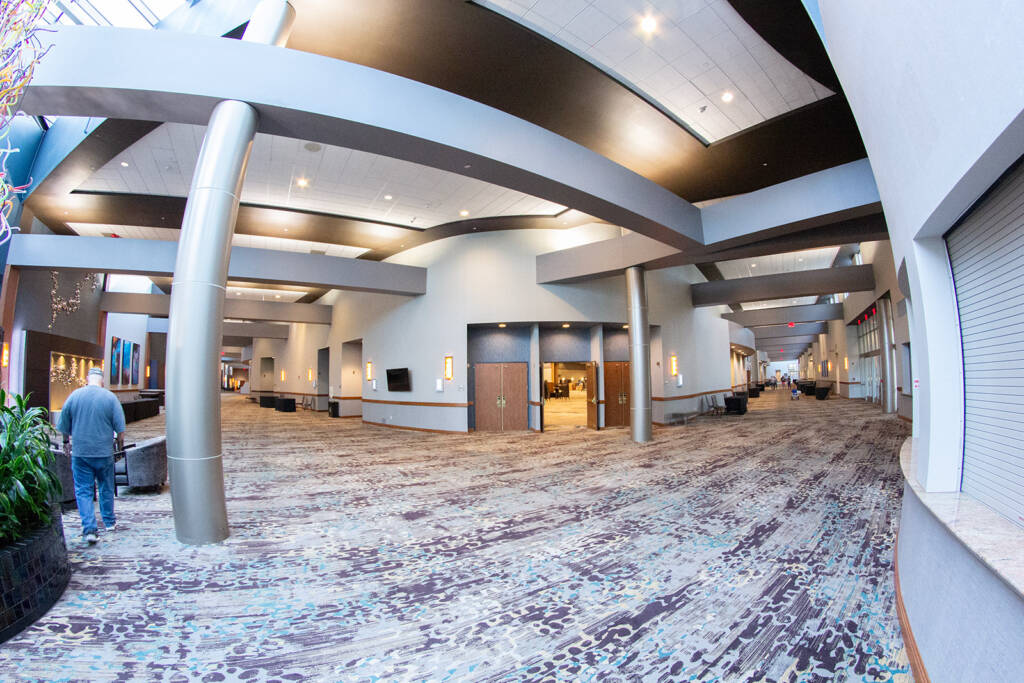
(312, 147)
(501, 324)
(463, 213)
(794, 300)
(753, 265)
(565, 324)
(625, 327)
(388, 198)
(800, 259)
(302, 182)
(648, 24)
(468, 166)
(277, 296)
(727, 97)
(124, 164)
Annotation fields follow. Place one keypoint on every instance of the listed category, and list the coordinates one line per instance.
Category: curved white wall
(938, 96)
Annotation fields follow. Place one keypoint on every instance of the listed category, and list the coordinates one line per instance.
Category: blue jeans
(85, 471)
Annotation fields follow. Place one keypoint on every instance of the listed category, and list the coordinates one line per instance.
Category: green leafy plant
(27, 485)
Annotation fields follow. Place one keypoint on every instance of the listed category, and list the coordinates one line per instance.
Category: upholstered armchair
(144, 465)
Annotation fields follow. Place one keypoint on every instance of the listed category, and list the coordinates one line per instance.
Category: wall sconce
(846, 363)
(673, 365)
(830, 367)
(282, 375)
(147, 371)
(449, 367)
(309, 374)
(369, 371)
(6, 359)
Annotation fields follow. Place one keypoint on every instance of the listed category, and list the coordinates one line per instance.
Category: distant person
(91, 419)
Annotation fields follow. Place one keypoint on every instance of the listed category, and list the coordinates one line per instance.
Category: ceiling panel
(789, 262)
(254, 241)
(257, 294)
(779, 303)
(698, 60)
(286, 172)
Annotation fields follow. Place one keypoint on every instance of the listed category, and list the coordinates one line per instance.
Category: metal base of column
(195, 483)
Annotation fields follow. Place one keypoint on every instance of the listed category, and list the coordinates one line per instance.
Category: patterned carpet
(753, 548)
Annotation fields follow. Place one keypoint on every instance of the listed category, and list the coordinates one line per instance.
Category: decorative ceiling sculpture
(20, 51)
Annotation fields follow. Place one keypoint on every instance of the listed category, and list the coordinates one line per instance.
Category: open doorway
(350, 389)
(568, 391)
(267, 375)
(323, 378)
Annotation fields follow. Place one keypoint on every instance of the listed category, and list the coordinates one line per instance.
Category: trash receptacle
(334, 409)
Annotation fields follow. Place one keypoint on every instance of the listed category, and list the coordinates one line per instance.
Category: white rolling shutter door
(987, 254)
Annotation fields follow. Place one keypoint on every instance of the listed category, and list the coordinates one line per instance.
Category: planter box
(33, 575)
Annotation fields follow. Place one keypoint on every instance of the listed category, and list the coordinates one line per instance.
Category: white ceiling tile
(618, 45)
(641, 64)
(670, 42)
(558, 12)
(619, 10)
(591, 25)
(678, 10)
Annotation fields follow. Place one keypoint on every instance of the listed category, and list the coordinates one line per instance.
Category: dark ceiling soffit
(786, 26)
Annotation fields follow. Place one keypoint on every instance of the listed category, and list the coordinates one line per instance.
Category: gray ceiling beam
(776, 342)
(784, 285)
(787, 331)
(233, 332)
(609, 257)
(155, 257)
(600, 259)
(805, 202)
(114, 73)
(265, 311)
(786, 314)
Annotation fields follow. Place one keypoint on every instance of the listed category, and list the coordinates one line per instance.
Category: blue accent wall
(564, 346)
(495, 345)
(616, 344)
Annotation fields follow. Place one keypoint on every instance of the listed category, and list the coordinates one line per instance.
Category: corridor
(746, 548)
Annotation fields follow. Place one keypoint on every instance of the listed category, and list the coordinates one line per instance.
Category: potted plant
(34, 569)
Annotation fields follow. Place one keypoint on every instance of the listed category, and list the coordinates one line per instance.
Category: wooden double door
(616, 394)
(500, 397)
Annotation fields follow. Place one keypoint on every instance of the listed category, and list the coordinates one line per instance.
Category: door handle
(594, 400)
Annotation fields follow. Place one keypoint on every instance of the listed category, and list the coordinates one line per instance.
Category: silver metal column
(888, 369)
(639, 356)
(197, 305)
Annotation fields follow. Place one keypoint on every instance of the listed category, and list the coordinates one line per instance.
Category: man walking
(90, 419)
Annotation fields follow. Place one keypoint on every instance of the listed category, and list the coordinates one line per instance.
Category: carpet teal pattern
(753, 548)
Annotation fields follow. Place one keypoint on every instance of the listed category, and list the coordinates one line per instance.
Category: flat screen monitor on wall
(398, 379)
